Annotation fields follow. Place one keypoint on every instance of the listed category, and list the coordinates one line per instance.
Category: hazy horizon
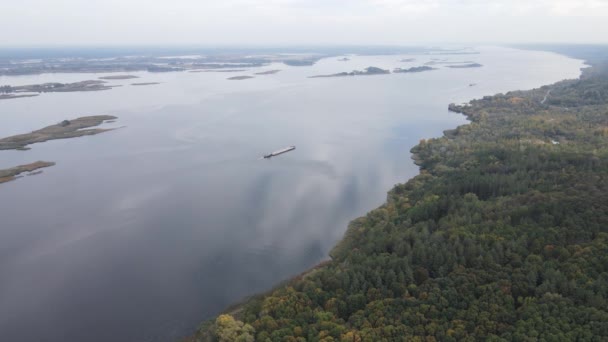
(69, 23)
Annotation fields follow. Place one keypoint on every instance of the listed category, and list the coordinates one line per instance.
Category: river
(140, 233)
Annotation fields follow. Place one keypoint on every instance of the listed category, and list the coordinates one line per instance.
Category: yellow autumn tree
(228, 329)
(351, 336)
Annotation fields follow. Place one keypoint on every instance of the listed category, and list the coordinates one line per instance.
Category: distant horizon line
(283, 45)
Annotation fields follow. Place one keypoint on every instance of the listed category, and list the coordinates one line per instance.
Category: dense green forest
(502, 237)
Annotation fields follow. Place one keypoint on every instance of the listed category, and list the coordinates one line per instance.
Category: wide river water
(140, 233)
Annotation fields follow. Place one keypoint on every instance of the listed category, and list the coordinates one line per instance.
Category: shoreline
(237, 308)
(203, 333)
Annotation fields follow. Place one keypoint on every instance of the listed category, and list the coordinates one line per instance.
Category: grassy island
(503, 236)
(63, 130)
(8, 175)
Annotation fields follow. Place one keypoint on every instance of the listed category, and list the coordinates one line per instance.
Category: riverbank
(495, 200)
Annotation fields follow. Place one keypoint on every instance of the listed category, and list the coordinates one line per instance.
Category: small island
(63, 130)
(345, 59)
(268, 72)
(144, 83)
(239, 78)
(408, 60)
(118, 77)
(368, 71)
(414, 69)
(13, 173)
(464, 66)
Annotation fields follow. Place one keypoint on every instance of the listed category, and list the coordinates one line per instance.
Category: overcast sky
(293, 22)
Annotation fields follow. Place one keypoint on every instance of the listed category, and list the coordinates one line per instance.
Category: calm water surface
(140, 233)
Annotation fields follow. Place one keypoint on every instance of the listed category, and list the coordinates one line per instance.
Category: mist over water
(140, 233)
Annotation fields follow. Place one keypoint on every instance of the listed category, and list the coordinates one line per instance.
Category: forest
(503, 236)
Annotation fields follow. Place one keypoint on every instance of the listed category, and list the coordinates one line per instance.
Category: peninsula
(63, 130)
